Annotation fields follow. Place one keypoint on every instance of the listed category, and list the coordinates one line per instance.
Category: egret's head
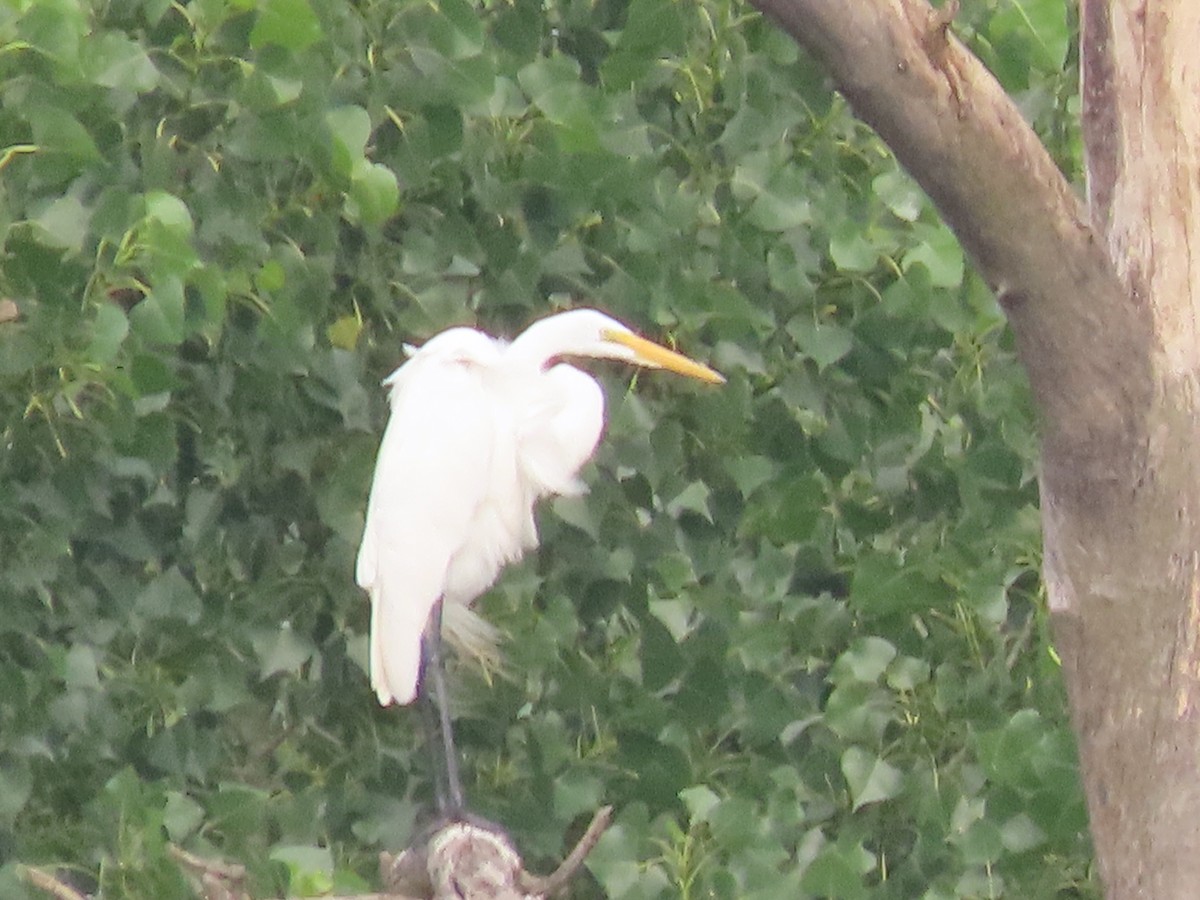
(589, 332)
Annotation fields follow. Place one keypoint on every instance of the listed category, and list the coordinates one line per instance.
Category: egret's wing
(430, 480)
(560, 426)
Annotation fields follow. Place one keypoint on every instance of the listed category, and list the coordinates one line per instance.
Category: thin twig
(44, 881)
(548, 884)
(213, 887)
(198, 865)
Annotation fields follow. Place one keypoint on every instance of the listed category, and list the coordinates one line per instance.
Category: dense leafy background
(793, 633)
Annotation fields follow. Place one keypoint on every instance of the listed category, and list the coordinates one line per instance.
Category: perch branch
(460, 859)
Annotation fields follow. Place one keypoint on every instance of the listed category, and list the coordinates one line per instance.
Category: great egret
(480, 429)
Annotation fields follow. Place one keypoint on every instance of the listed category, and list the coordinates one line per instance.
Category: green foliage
(793, 633)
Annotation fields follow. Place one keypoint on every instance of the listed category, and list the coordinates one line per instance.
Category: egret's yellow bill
(659, 357)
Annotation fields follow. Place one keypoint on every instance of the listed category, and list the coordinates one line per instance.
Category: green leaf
(181, 816)
(662, 660)
(121, 63)
(290, 24)
(614, 860)
(783, 203)
(824, 344)
(836, 873)
(1020, 834)
(900, 194)
(850, 250)
(907, 673)
(734, 823)
(65, 223)
(282, 651)
(941, 255)
(310, 868)
(1042, 22)
(577, 793)
(694, 498)
(56, 27)
(700, 802)
(16, 787)
(169, 211)
(578, 512)
(108, 333)
(982, 843)
(350, 128)
(81, 670)
(869, 777)
(463, 35)
(57, 131)
(374, 193)
(1007, 753)
(884, 585)
(159, 318)
(865, 661)
(857, 711)
(553, 86)
(169, 596)
(344, 333)
(752, 472)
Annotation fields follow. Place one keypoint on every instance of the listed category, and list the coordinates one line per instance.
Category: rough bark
(1138, 720)
(1101, 304)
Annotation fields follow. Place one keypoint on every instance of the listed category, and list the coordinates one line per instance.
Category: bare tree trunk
(1101, 302)
(1134, 668)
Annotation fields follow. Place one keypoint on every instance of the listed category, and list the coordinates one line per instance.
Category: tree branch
(475, 861)
(557, 880)
(460, 859)
(44, 881)
(1084, 342)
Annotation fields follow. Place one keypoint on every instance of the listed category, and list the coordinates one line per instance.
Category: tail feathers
(471, 635)
(396, 652)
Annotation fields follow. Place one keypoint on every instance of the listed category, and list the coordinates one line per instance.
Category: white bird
(480, 429)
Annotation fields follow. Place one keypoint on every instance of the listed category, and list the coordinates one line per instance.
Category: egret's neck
(577, 332)
(539, 344)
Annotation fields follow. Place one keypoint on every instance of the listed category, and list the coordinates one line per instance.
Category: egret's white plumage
(479, 431)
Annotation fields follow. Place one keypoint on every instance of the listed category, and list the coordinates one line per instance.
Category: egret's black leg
(429, 719)
(448, 792)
